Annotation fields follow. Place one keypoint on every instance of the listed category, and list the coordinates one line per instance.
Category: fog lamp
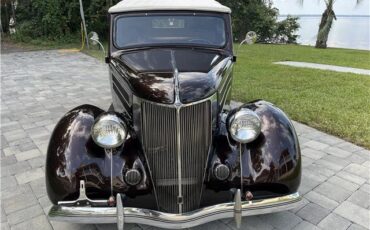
(109, 131)
(244, 126)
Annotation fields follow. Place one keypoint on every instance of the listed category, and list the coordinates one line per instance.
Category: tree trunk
(12, 3)
(320, 41)
(5, 17)
(324, 29)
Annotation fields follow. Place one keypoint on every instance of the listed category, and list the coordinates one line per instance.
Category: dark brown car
(171, 152)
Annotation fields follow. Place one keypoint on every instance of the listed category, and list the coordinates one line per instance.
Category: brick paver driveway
(39, 87)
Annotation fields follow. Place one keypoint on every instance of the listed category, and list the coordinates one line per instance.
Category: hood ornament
(176, 80)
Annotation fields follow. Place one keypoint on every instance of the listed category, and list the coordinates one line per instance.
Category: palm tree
(326, 23)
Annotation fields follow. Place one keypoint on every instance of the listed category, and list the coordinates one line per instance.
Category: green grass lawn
(337, 103)
(42, 44)
(331, 56)
(95, 52)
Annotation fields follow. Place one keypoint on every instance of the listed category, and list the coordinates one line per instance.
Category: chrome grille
(160, 140)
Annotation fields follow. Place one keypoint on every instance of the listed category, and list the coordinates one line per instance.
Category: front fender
(268, 166)
(275, 157)
(73, 156)
(67, 152)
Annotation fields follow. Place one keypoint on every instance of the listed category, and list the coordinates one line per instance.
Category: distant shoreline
(319, 15)
(349, 31)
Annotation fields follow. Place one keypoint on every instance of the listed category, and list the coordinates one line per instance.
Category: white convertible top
(150, 5)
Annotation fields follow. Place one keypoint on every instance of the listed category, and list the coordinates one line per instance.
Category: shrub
(287, 29)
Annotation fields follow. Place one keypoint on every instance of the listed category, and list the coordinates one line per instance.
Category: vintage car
(171, 151)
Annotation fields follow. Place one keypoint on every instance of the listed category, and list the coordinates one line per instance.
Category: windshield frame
(170, 13)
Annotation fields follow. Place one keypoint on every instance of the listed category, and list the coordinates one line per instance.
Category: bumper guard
(69, 212)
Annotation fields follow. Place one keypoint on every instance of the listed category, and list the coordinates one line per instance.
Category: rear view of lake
(347, 31)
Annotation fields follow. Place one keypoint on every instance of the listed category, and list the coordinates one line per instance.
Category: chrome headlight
(109, 131)
(245, 126)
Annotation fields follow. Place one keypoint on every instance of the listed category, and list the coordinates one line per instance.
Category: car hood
(161, 75)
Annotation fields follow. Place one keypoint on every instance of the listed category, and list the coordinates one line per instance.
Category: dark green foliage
(96, 16)
(6, 14)
(58, 19)
(61, 20)
(286, 29)
(261, 17)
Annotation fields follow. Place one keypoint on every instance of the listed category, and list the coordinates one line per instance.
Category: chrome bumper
(121, 215)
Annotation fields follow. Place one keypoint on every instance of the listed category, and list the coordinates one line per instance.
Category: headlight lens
(109, 131)
(245, 126)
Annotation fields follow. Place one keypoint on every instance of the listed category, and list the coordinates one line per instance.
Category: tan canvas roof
(150, 5)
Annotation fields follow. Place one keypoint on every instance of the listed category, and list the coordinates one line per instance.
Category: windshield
(152, 30)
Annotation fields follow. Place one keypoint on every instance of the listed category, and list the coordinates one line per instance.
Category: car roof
(156, 5)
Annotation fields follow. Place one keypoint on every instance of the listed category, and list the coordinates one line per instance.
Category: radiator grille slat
(159, 124)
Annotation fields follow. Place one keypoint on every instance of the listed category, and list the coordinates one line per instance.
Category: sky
(341, 7)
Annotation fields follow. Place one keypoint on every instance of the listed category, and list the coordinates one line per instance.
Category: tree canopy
(56, 19)
(260, 16)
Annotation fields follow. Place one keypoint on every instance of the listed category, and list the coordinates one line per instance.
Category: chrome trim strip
(118, 83)
(121, 98)
(226, 84)
(177, 105)
(212, 99)
(224, 93)
(93, 215)
(182, 105)
(179, 164)
(224, 97)
(227, 78)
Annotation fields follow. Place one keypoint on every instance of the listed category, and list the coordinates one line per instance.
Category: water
(347, 31)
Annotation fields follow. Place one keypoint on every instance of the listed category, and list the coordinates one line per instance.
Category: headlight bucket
(244, 126)
(109, 131)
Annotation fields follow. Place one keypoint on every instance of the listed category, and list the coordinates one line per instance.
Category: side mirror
(94, 39)
(250, 38)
